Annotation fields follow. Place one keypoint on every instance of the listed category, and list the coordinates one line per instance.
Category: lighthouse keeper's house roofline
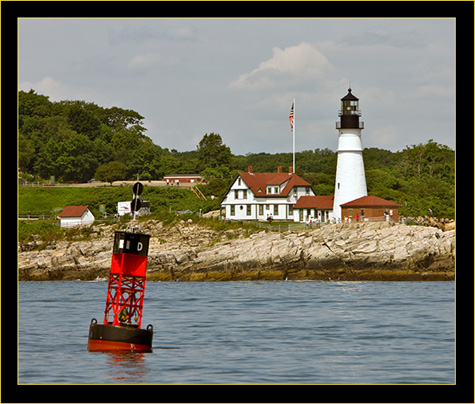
(256, 196)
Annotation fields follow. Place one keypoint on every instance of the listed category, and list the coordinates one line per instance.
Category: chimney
(291, 169)
(249, 169)
(279, 169)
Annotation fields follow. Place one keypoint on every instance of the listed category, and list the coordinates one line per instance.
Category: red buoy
(121, 330)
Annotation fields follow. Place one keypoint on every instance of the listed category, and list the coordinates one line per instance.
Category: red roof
(258, 182)
(315, 202)
(73, 211)
(369, 201)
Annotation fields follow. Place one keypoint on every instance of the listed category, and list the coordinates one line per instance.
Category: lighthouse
(350, 182)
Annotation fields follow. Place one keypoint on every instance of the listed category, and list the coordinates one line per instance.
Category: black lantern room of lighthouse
(349, 113)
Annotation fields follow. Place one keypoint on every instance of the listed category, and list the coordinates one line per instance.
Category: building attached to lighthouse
(350, 182)
(282, 196)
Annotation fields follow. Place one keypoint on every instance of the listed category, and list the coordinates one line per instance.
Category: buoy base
(111, 338)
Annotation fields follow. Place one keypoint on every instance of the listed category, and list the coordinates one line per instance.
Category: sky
(237, 77)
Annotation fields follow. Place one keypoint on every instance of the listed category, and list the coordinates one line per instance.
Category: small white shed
(75, 216)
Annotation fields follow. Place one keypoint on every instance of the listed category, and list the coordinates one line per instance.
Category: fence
(284, 226)
(36, 217)
(378, 219)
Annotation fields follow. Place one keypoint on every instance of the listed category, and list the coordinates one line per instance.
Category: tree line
(78, 141)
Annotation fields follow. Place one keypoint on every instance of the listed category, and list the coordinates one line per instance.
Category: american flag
(291, 116)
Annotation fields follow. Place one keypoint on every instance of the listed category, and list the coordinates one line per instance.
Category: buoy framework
(126, 288)
(121, 328)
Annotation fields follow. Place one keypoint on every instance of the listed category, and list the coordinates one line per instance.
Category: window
(248, 210)
(291, 210)
(307, 191)
(239, 181)
(261, 210)
(276, 210)
(338, 185)
(269, 190)
(244, 194)
(276, 190)
(233, 210)
(350, 212)
(236, 194)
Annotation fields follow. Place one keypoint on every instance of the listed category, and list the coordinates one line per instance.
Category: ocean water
(294, 332)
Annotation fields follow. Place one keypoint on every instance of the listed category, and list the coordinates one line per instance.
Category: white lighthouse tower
(350, 183)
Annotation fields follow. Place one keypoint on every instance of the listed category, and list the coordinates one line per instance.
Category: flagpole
(293, 140)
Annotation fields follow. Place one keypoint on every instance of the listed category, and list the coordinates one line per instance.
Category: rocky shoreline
(188, 252)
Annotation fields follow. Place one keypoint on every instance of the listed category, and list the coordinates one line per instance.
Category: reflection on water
(129, 367)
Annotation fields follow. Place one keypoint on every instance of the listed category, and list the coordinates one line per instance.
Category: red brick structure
(370, 208)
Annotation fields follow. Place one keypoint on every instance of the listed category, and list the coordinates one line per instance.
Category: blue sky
(237, 77)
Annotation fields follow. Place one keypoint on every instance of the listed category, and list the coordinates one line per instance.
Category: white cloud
(47, 86)
(150, 59)
(295, 63)
(143, 60)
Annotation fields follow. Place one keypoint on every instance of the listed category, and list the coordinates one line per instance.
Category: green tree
(110, 172)
(84, 118)
(212, 152)
(26, 152)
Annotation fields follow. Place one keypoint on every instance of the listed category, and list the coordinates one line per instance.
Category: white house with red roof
(75, 216)
(260, 196)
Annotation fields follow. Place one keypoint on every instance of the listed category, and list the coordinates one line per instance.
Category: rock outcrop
(186, 252)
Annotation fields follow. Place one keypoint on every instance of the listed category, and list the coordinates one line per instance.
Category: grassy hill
(44, 200)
